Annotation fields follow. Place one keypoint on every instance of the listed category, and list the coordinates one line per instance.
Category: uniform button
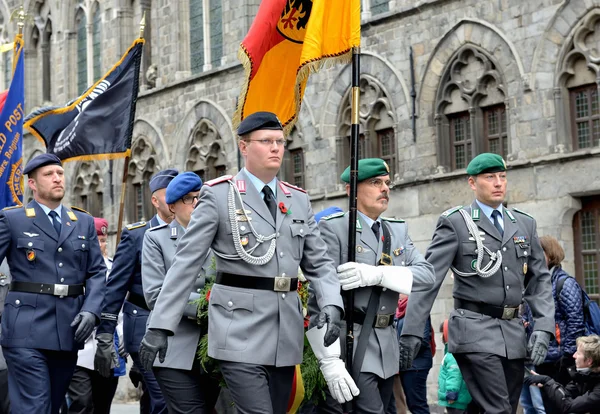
(242, 228)
(83, 245)
(17, 302)
(230, 304)
(383, 308)
(135, 311)
(507, 287)
(277, 234)
(198, 290)
(60, 249)
(62, 279)
(30, 244)
(504, 249)
(283, 274)
(384, 289)
(525, 253)
(506, 268)
(281, 254)
(60, 265)
(402, 263)
(301, 231)
(283, 295)
(462, 312)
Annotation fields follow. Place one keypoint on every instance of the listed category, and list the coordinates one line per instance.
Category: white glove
(340, 383)
(354, 275)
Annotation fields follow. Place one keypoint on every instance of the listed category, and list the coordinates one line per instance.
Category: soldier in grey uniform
(260, 230)
(381, 271)
(185, 386)
(497, 262)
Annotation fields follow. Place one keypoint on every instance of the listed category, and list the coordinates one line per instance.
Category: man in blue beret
(124, 289)
(260, 230)
(56, 292)
(185, 385)
(497, 262)
(387, 263)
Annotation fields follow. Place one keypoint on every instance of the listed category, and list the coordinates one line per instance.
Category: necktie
(496, 217)
(375, 228)
(54, 216)
(270, 200)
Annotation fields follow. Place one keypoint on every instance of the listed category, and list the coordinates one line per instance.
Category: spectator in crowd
(452, 392)
(582, 394)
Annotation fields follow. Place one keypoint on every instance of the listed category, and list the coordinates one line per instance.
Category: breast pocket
(229, 318)
(31, 248)
(19, 310)
(299, 232)
(81, 249)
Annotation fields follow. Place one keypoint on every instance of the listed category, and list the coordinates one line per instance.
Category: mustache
(384, 196)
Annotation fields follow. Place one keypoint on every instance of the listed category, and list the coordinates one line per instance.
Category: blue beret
(367, 168)
(41, 161)
(259, 120)
(162, 179)
(327, 212)
(486, 163)
(181, 185)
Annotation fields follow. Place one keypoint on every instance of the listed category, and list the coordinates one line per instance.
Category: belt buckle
(508, 313)
(61, 290)
(386, 259)
(282, 284)
(383, 321)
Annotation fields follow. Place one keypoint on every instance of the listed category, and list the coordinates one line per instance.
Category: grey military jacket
(382, 354)
(250, 325)
(4, 284)
(522, 259)
(160, 244)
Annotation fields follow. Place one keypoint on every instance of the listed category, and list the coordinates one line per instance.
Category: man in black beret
(56, 293)
(260, 236)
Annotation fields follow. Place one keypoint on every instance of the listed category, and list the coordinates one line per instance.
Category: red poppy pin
(284, 209)
(208, 295)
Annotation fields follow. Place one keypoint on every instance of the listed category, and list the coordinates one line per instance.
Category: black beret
(259, 120)
(162, 179)
(41, 161)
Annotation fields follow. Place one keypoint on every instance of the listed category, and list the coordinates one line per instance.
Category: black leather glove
(135, 376)
(332, 316)
(85, 322)
(536, 379)
(409, 348)
(122, 352)
(538, 346)
(105, 358)
(154, 342)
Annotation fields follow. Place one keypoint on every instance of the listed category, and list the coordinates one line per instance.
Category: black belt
(47, 288)
(277, 284)
(381, 320)
(498, 312)
(137, 300)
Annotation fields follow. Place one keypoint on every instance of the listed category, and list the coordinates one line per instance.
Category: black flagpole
(352, 212)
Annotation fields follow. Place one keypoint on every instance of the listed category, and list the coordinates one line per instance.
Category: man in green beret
(497, 262)
(387, 263)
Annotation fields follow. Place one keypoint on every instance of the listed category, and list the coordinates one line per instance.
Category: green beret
(486, 163)
(367, 168)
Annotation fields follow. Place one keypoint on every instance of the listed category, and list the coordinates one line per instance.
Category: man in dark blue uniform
(56, 293)
(124, 289)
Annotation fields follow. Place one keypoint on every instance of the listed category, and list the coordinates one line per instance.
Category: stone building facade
(517, 78)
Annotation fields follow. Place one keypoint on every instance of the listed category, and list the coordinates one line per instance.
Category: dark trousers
(90, 392)
(38, 379)
(4, 401)
(157, 402)
(414, 385)
(188, 391)
(258, 389)
(494, 382)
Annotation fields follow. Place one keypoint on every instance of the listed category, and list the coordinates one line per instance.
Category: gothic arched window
(88, 188)
(293, 167)
(206, 154)
(142, 166)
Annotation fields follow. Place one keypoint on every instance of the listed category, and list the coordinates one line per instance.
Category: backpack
(591, 310)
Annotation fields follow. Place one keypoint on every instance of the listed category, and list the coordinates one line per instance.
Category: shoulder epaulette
(136, 225)
(334, 215)
(294, 187)
(451, 211)
(11, 208)
(522, 212)
(80, 209)
(160, 226)
(218, 180)
(393, 220)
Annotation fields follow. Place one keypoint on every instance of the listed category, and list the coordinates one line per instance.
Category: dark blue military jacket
(36, 254)
(126, 277)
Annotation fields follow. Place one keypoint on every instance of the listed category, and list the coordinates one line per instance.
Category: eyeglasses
(188, 199)
(270, 142)
(378, 182)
